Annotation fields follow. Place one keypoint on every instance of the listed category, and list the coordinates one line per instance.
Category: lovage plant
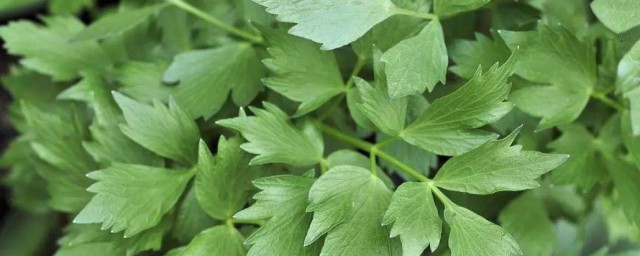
(325, 127)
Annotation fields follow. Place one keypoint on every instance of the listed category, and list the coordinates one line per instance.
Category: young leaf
(415, 218)
(274, 140)
(333, 23)
(473, 235)
(447, 127)
(58, 58)
(619, 15)
(116, 24)
(387, 114)
(167, 131)
(555, 57)
(305, 74)
(527, 220)
(282, 204)
(348, 203)
(496, 166)
(444, 8)
(132, 198)
(218, 241)
(417, 63)
(629, 85)
(223, 183)
(206, 77)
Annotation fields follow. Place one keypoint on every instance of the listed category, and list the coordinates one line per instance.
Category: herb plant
(326, 127)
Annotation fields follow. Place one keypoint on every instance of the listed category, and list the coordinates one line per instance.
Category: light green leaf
(216, 241)
(333, 23)
(386, 113)
(223, 183)
(348, 203)
(632, 143)
(58, 58)
(116, 24)
(207, 76)
(448, 126)
(444, 8)
(628, 83)
(566, 67)
(526, 219)
(473, 235)
(496, 166)
(417, 63)
(415, 218)
(132, 198)
(350, 157)
(274, 140)
(618, 15)
(570, 13)
(483, 52)
(282, 203)
(625, 178)
(167, 131)
(304, 73)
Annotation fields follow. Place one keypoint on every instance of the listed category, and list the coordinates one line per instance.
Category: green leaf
(348, 203)
(527, 220)
(632, 143)
(116, 24)
(444, 8)
(85, 239)
(142, 80)
(190, 219)
(216, 241)
(132, 198)
(333, 23)
(274, 140)
(619, 15)
(584, 167)
(223, 183)
(282, 203)
(350, 157)
(57, 58)
(473, 235)
(69, 161)
(483, 52)
(564, 66)
(167, 131)
(625, 179)
(207, 76)
(628, 84)
(417, 63)
(570, 13)
(387, 114)
(66, 7)
(448, 126)
(304, 73)
(415, 218)
(496, 166)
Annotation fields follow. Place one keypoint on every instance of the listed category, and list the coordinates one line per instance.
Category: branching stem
(216, 22)
(607, 101)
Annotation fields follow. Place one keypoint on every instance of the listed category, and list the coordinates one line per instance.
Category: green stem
(336, 102)
(386, 142)
(366, 146)
(216, 22)
(372, 158)
(426, 16)
(356, 70)
(324, 165)
(607, 101)
(441, 196)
